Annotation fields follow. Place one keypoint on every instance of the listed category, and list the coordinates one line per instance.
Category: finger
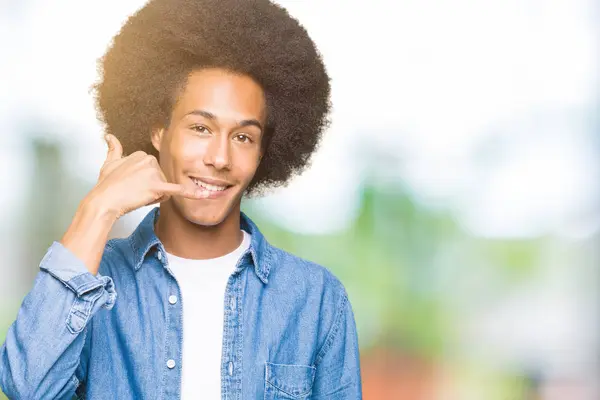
(115, 150)
(161, 199)
(191, 194)
(174, 189)
(165, 196)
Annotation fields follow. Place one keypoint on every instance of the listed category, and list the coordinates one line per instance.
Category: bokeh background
(456, 194)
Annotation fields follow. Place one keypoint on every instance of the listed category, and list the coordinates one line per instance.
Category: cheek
(186, 150)
(247, 165)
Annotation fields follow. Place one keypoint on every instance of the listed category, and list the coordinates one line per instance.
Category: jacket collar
(143, 240)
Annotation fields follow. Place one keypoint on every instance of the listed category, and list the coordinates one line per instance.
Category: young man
(208, 100)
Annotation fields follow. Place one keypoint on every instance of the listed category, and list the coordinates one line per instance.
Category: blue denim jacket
(289, 330)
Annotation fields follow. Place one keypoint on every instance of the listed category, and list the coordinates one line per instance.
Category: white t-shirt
(202, 284)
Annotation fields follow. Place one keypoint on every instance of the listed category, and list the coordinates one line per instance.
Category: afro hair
(149, 60)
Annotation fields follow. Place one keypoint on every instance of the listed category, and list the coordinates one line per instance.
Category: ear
(261, 155)
(157, 137)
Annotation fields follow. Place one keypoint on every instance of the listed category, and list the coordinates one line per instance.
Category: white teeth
(212, 188)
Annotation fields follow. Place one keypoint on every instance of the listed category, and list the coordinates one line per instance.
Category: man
(209, 100)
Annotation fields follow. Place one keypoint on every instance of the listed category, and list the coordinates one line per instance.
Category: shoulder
(305, 278)
(291, 266)
(118, 253)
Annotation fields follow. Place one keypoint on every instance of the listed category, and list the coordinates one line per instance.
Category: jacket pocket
(288, 381)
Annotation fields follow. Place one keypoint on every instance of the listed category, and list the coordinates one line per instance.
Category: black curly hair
(149, 60)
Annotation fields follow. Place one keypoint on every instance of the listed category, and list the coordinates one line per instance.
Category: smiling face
(213, 141)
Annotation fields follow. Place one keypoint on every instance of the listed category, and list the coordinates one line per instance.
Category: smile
(207, 186)
(214, 188)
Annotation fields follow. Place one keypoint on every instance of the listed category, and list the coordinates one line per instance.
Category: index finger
(175, 189)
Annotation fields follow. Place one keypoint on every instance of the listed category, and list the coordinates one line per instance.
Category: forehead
(225, 94)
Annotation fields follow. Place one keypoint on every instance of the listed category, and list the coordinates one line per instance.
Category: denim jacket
(288, 332)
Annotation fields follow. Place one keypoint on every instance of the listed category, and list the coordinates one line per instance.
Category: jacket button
(172, 299)
(159, 255)
(171, 364)
(230, 368)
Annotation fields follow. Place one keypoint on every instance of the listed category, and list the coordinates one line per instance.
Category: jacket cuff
(63, 265)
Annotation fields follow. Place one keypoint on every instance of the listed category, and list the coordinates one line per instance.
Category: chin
(204, 218)
(206, 221)
(211, 215)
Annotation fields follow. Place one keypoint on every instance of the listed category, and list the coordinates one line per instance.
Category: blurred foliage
(393, 260)
(53, 197)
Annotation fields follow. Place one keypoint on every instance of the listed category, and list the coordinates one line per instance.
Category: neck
(186, 239)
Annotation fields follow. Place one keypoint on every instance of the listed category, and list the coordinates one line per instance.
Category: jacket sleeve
(338, 362)
(41, 356)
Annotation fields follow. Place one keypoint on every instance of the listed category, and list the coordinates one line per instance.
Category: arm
(338, 364)
(43, 346)
(41, 356)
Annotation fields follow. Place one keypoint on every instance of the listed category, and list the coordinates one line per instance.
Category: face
(213, 142)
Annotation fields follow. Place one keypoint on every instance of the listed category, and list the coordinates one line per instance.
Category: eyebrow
(242, 123)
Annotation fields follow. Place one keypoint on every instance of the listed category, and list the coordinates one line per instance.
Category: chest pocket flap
(288, 381)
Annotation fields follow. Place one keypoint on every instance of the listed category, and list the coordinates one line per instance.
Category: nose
(218, 153)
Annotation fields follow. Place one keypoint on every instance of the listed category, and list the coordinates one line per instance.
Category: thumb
(115, 150)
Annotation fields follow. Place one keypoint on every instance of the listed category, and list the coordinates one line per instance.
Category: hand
(128, 183)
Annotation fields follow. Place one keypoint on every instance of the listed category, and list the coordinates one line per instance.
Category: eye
(200, 129)
(243, 138)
